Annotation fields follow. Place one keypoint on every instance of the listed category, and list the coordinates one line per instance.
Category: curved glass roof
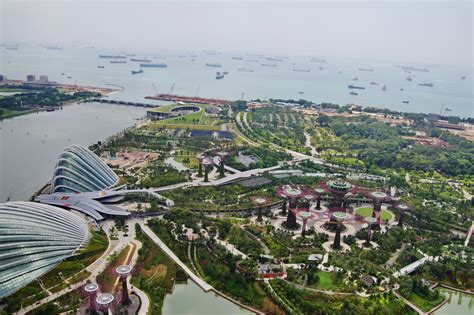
(79, 170)
(34, 238)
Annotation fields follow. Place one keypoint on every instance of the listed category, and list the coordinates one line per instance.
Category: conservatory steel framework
(79, 170)
(34, 238)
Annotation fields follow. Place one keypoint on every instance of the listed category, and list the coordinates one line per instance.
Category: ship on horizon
(118, 61)
(351, 86)
(411, 68)
(213, 64)
(140, 60)
(137, 71)
(245, 70)
(219, 76)
(154, 65)
(366, 69)
(426, 84)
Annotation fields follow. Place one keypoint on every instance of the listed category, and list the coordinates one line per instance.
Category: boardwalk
(200, 282)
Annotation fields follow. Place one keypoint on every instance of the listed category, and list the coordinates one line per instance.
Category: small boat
(225, 72)
(215, 65)
(339, 71)
(301, 70)
(69, 77)
(118, 61)
(100, 67)
(140, 60)
(219, 76)
(353, 93)
(374, 83)
(405, 102)
(409, 79)
(401, 89)
(463, 77)
(384, 88)
(300, 92)
(355, 79)
(137, 71)
(63, 73)
(321, 68)
(366, 69)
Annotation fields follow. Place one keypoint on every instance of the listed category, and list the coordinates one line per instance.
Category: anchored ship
(154, 65)
(351, 86)
(140, 60)
(137, 71)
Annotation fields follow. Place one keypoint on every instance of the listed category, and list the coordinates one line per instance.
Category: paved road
(200, 282)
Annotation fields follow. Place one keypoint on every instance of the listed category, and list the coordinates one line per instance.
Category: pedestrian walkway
(200, 282)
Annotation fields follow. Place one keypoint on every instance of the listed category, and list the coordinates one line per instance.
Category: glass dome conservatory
(34, 238)
(79, 170)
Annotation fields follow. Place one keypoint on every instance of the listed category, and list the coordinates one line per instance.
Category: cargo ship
(118, 61)
(215, 65)
(374, 83)
(351, 86)
(353, 93)
(237, 58)
(140, 60)
(366, 69)
(137, 71)
(405, 102)
(274, 59)
(219, 76)
(112, 57)
(426, 84)
(410, 68)
(99, 67)
(154, 65)
(269, 65)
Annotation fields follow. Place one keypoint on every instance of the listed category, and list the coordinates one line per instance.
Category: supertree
(123, 272)
(319, 192)
(305, 215)
(206, 163)
(339, 216)
(292, 194)
(260, 202)
(370, 221)
(222, 155)
(402, 208)
(104, 301)
(339, 188)
(91, 290)
(378, 197)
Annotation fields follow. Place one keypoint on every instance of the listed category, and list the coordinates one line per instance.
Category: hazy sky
(422, 31)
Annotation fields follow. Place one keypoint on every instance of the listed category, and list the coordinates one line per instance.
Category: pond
(458, 303)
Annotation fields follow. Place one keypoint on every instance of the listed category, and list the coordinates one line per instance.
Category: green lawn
(192, 118)
(325, 281)
(367, 212)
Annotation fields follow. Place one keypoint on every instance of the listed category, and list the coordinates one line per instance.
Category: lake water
(190, 76)
(30, 144)
(458, 303)
(190, 299)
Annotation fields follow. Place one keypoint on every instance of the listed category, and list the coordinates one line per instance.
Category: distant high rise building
(2, 78)
(43, 79)
(31, 78)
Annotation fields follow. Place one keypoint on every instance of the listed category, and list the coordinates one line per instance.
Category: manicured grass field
(367, 212)
(325, 281)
